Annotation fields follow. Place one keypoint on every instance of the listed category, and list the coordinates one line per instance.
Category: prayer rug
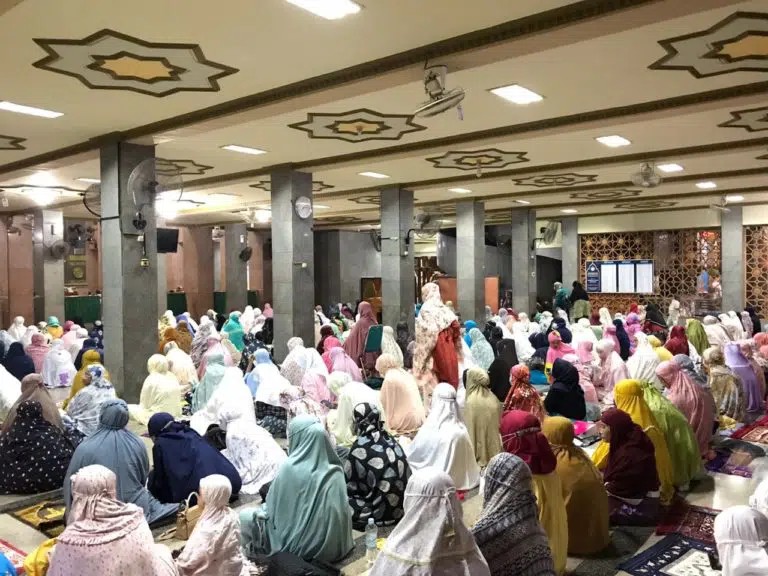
(734, 463)
(756, 432)
(689, 521)
(625, 541)
(675, 555)
(47, 517)
(14, 555)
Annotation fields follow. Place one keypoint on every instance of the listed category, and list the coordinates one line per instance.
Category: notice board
(620, 276)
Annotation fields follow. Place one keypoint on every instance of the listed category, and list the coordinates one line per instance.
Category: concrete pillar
(293, 261)
(523, 261)
(570, 232)
(470, 259)
(198, 269)
(48, 271)
(398, 283)
(236, 269)
(732, 257)
(130, 288)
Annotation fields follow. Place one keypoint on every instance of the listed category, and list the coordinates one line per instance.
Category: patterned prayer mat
(625, 541)
(47, 517)
(689, 521)
(675, 555)
(734, 463)
(756, 432)
(14, 555)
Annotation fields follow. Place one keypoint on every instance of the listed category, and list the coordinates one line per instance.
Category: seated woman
(482, 351)
(482, 413)
(114, 447)
(586, 501)
(341, 362)
(231, 391)
(104, 535)
(740, 534)
(400, 398)
(389, 345)
(17, 362)
(180, 364)
(180, 458)
(159, 393)
(693, 402)
(251, 449)
(612, 370)
(740, 366)
(522, 395)
(432, 537)
(375, 490)
(214, 546)
(443, 441)
(521, 434)
(508, 531)
(629, 398)
(307, 511)
(89, 358)
(84, 411)
(38, 350)
(34, 454)
(630, 474)
(350, 394)
(726, 387)
(32, 388)
(210, 381)
(58, 369)
(566, 396)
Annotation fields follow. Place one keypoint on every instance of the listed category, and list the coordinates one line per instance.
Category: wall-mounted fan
(217, 233)
(150, 179)
(548, 234)
(59, 249)
(245, 254)
(647, 177)
(92, 199)
(376, 240)
(440, 98)
(426, 225)
(255, 216)
(721, 206)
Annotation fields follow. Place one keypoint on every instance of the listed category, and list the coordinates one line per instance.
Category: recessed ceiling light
(243, 149)
(734, 198)
(460, 190)
(569, 211)
(522, 201)
(613, 141)
(321, 206)
(328, 9)
(669, 168)
(89, 180)
(373, 175)
(517, 94)
(708, 185)
(29, 110)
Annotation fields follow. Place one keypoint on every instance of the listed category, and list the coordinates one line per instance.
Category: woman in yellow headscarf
(89, 357)
(628, 396)
(586, 501)
(663, 354)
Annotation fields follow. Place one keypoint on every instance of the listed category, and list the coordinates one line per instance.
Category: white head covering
(159, 393)
(759, 498)
(17, 329)
(214, 546)
(10, 390)
(389, 345)
(431, 538)
(247, 318)
(350, 395)
(58, 370)
(443, 441)
(181, 365)
(251, 449)
(26, 339)
(605, 317)
(168, 315)
(642, 364)
(545, 320)
(271, 383)
(231, 391)
(741, 534)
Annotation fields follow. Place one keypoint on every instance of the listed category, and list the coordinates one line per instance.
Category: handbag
(187, 517)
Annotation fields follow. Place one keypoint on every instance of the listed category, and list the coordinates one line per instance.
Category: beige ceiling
(591, 60)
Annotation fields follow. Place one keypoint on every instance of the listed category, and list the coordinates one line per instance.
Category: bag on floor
(187, 517)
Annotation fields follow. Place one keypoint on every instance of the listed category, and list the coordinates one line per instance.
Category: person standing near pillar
(438, 343)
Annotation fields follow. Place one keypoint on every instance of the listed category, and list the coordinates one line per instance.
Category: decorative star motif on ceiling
(643, 204)
(374, 200)
(357, 125)
(266, 185)
(488, 159)
(168, 167)
(753, 120)
(11, 143)
(605, 194)
(548, 180)
(110, 60)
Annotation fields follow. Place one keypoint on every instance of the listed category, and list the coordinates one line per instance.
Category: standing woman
(579, 302)
(725, 385)
(483, 415)
(521, 435)
(586, 501)
(354, 344)
(522, 395)
(482, 351)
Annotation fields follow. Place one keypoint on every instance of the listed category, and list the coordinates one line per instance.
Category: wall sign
(620, 276)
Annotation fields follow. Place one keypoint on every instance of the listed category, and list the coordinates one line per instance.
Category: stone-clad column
(470, 259)
(236, 269)
(732, 257)
(293, 286)
(523, 261)
(570, 233)
(130, 291)
(398, 283)
(48, 271)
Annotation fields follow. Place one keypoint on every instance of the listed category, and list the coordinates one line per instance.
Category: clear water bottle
(371, 535)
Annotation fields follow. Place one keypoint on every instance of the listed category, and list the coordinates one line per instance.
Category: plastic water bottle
(371, 535)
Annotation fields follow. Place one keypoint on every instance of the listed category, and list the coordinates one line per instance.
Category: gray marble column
(398, 283)
(47, 271)
(130, 290)
(570, 233)
(293, 266)
(236, 270)
(470, 259)
(732, 257)
(523, 261)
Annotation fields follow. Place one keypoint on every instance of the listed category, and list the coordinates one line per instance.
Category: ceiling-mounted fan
(647, 177)
(440, 98)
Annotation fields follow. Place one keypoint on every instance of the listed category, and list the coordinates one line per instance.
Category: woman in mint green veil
(306, 511)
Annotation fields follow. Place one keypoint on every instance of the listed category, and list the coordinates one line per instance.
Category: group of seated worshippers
(505, 403)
